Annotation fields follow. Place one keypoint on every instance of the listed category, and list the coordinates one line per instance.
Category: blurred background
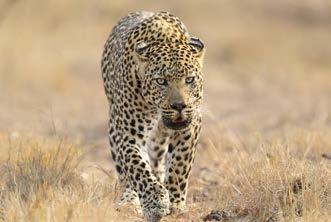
(267, 81)
(267, 64)
(267, 67)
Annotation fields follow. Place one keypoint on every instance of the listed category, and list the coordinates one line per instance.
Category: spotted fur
(151, 70)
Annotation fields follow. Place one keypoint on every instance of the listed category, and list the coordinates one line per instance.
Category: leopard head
(172, 79)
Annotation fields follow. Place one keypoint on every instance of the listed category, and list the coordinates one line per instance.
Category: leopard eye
(161, 81)
(189, 80)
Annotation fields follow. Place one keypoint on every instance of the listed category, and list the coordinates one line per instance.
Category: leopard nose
(179, 106)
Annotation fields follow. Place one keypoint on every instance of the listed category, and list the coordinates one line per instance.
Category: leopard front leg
(180, 157)
(157, 150)
(153, 196)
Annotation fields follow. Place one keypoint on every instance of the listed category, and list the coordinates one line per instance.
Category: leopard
(153, 80)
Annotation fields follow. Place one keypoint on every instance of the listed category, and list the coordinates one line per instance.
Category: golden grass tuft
(272, 180)
(277, 186)
(40, 181)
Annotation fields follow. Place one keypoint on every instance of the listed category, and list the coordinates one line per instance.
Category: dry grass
(274, 182)
(260, 181)
(265, 150)
(40, 181)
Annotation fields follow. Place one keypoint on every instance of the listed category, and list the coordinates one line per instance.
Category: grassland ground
(265, 149)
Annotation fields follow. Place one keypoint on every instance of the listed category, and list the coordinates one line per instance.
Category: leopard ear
(198, 49)
(197, 46)
(141, 51)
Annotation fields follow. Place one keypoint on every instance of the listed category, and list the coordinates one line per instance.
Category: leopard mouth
(177, 123)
